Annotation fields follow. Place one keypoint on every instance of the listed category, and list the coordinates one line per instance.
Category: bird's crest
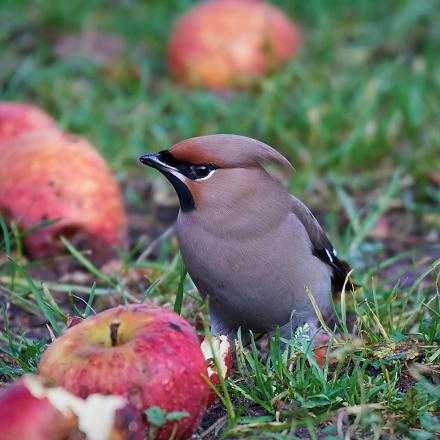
(228, 151)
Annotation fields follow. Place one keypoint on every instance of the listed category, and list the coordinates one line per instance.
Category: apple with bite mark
(220, 347)
(52, 175)
(222, 44)
(29, 410)
(147, 354)
(18, 117)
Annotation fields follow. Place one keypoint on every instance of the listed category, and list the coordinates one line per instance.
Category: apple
(320, 353)
(221, 349)
(221, 44)
(73, 320)
(49, 175)
(18, 117)
(24, 416)
(30, 410)
(147, 354)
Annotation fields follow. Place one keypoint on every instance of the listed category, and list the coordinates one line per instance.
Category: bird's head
(217, 169)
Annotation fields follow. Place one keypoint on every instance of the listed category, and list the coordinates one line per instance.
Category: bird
(250, 247)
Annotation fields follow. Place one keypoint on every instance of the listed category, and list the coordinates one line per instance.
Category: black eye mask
(191, 170)
(164, 160)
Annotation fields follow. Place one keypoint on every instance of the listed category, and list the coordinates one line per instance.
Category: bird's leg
(219, 328)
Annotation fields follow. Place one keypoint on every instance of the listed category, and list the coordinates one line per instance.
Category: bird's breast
(255, 280)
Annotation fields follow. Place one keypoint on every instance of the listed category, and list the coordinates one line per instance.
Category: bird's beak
(158, 161)
(164, 161)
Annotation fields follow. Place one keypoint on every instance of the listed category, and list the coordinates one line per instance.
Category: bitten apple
(52, 175)
(31, 411)
(18, 117)
(226, 43)
(145, 353)
(221, 349)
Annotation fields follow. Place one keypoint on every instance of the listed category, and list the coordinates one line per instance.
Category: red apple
(320, 353)
(24, 416)
(73, 320)
(29, 410)
(226, 43)
(145, 353)
(221, 349)
(48, 175)
(18, 117)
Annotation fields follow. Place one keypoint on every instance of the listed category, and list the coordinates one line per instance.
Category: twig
(153, 244)
(221, 421)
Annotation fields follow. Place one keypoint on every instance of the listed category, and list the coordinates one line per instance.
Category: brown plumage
(248, 245)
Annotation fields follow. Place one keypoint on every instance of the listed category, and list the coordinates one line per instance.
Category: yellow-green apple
(53, 175)
(19, 117)
(31, 411)
(218, 350)
(227, 43)
(145, 353)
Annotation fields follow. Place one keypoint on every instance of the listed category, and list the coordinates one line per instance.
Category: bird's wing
(321, 246)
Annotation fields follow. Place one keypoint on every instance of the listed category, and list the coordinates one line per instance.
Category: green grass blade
(179, 294)
(86, 263)
(42, 304)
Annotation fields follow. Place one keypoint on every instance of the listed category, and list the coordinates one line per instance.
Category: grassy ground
(357, 112)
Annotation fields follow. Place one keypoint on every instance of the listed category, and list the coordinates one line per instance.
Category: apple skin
(23, 416)
(18, 117)
(49, 174)
(156, 361)
(222, 44)
(30, 410)
(320, 353)
(223, 353)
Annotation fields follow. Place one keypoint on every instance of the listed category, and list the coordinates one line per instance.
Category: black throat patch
(185, 197)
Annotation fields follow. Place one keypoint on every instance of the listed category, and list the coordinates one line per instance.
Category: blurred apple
(48, 175)
(219, 349)
(227, 43)
(145, 353)
(18, 117)
(320, 353)
(31, 411)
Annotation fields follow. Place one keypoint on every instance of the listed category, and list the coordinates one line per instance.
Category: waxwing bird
(249, 246)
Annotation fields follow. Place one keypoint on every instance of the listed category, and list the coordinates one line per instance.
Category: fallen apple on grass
(219, 350)
(147, 354)
(31, 411)
(221, 44)
(18, 117)
(320, 352)
(50, 175)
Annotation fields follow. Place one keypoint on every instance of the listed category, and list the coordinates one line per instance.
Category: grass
(356, 112)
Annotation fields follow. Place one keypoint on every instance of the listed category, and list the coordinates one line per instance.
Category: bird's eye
(201, 170)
